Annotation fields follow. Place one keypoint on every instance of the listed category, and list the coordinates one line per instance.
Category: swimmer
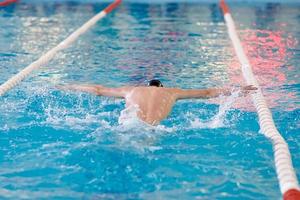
(154, 102)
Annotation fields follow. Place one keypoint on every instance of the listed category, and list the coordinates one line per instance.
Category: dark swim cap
(156, 83)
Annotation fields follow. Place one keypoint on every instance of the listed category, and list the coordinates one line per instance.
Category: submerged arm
(210, 93)
(98, 90)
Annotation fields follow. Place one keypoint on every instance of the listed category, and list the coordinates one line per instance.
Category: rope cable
(44, 59)
(285, 172)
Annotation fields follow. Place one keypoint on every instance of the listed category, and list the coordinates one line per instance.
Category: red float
(292, 194)
(7, 2)
(112, 6)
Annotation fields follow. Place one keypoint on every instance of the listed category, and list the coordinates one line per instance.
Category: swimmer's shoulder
(175, 92)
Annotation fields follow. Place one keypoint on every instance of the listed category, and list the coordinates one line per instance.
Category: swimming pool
(67, 145)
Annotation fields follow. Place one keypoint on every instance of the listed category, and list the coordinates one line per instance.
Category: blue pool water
(68, 145)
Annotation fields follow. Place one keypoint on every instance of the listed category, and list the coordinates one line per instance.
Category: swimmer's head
(155, 83)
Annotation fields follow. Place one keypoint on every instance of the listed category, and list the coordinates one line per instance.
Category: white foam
(128, 117)
(219, 119)
(131, 133)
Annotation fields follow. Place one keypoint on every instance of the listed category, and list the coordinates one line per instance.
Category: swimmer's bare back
(153, 103)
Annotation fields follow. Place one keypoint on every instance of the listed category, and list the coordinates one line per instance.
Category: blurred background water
(68, 145)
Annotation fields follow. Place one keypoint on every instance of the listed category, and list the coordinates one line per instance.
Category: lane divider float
(285, 172)
(44, 59)
(7, 2)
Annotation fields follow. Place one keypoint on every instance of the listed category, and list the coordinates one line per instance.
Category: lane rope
(285, 172)
(7, 2)
(44, 59)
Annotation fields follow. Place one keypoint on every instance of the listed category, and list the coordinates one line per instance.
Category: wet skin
(153, 103)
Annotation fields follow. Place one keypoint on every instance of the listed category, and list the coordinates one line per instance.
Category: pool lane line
(286, 175)
(44, 59)
(7, 2)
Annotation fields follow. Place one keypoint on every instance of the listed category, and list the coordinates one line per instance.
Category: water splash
(219, 119)
(128, 117)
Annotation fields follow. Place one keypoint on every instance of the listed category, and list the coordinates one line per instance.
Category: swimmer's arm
(204, 94)
(120, 92)
(210, 93)
(81, 88)
(98, 90)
